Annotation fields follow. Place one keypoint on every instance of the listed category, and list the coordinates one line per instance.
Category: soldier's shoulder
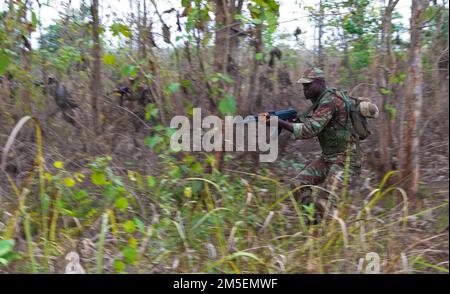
(329, 97)
(335, 97)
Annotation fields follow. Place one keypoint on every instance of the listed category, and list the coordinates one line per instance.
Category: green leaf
(175, 172)
(34, 19)
(392, 110)
(79, 177)
(257, 21)
(109, 59)
(227, 105)
(129, 227)
(159, 128)
(428, 13)
(80, 194)
(197, 168)
(120, 28)
(119, 266)
(132, 242)
(140, 225)
(69, 182)
(151, 110)
(259, 56)
(4, 260)
(98, 178)
(186, 84)
(185, 3)
(274, 5)
(58, 164)
(48, 176)
(384, 91)
(125, 31)
(187, 192)
(4, 61)
(272, 21)
(6, 246)
(122, 203)
(173, 87)
(110, 191)
(397, 78)
(130, 254)
(226, 78)
(153, 141)
(189, 159)
(151, 182)
(129, 71)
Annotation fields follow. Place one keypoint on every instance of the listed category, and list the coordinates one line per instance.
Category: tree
(385, 70)
(96, 79)
(409, 154)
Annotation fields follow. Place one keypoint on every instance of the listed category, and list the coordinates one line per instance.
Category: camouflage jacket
(328, 119)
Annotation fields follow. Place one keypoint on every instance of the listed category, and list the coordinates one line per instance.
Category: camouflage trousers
(328, 171)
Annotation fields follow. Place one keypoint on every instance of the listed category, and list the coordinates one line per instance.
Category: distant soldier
(62, 99)
(8, 87)
(328, 119)
(133, 91)
(138, 94)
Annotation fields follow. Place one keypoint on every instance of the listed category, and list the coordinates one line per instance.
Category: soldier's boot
(317, 207)
(325, 208)
(304, 198)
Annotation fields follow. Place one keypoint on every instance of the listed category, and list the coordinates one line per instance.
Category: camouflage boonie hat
(310, 74)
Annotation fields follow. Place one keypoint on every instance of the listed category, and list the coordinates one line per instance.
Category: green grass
(187, 221)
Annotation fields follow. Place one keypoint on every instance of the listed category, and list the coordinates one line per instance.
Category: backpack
(359, 110)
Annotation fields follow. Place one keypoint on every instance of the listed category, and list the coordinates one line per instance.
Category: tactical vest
(335, 136)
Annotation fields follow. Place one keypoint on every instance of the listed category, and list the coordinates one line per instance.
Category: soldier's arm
(285, 125)
(313, 125)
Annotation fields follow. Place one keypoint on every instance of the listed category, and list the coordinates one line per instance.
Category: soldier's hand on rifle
(122, 91)
(282, 124)
(265, 116)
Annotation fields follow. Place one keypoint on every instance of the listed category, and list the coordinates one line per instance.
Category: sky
(291, 15)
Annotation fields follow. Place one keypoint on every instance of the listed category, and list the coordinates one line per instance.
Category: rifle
(284, 114)
(289, 114)
(121, 92)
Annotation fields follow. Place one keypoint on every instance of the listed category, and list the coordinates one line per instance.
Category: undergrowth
(188, 220)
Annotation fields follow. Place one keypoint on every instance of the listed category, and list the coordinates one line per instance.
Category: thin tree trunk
(251, 97)
(96, 82)
(233, 51)
(410, 161)
(43, 55)
(320, 56)
(220, 48)
(439, 46)
(383, 83)
(220, 53)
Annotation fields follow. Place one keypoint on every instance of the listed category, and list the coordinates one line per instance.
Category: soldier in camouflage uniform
(328, 120)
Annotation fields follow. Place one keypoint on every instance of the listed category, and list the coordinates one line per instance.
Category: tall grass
(232, 222)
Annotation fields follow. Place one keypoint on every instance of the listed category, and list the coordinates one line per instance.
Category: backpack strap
(349, 125)
(316, 103)
(342, 95)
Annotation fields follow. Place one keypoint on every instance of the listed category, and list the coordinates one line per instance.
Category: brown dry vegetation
(109, 188)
